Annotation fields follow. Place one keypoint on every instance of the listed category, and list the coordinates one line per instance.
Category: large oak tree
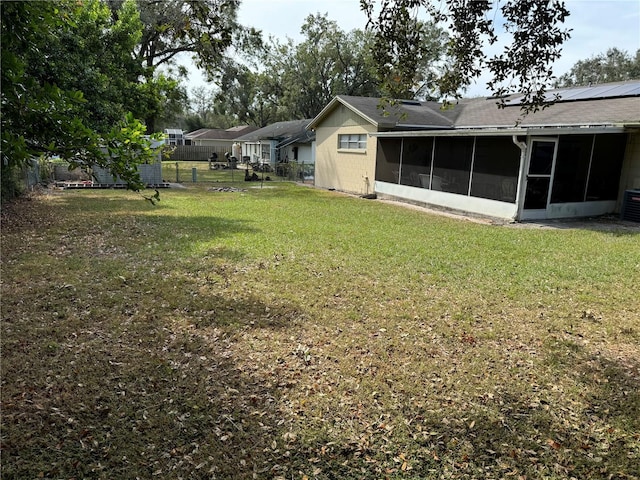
(533, 27)
(77, 76)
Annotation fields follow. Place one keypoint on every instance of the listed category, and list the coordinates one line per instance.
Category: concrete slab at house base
(602, 223)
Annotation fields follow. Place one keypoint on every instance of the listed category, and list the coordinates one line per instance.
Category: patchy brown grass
(293, 333)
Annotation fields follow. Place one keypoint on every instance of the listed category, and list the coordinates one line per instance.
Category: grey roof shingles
(485, 113)
(400, 114)
(220, 134)
(277, 131)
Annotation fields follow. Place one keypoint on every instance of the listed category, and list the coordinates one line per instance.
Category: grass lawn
(292, 333)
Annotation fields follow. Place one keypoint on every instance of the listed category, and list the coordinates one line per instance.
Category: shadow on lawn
(538, 437)
(115, 384)
(158, 391)
(135, 397)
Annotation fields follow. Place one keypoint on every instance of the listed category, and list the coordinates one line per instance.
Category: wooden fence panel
(195, 153)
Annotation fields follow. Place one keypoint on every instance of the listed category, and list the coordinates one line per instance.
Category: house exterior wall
(287, 153)
(480, 206)
(347, 170)
(252, 150)
(260, 151)
(305, 153)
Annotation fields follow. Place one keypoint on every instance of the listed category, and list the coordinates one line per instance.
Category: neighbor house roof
(219, 133)
(281, 131)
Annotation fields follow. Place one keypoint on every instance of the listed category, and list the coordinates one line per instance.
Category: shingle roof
(579, 106)
(220, 134)
(604, 111)
(276, 131)
(403, 114)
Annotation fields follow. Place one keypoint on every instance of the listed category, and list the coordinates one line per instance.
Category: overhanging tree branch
(535, 27)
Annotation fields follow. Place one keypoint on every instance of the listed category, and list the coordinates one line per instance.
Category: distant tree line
(614, 65)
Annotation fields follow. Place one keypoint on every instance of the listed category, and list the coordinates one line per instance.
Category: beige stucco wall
(345, 170)
(630, 177)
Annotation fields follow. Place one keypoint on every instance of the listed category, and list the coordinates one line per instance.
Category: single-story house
(574, 158)
(207, 143)
(345, 147)
(217, 137)
(174, 136)
(280, 142)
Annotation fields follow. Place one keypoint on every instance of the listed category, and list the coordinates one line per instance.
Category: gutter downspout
(521, 175)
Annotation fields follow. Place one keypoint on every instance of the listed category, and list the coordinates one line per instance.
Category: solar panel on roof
(573, 93)
(595, 92)
(628, 89)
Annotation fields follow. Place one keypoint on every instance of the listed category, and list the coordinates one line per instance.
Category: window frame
(352, 144)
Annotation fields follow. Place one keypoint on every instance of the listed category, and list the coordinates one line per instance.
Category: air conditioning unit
(631, 206)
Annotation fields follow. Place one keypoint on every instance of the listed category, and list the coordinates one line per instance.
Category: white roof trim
(469, 132)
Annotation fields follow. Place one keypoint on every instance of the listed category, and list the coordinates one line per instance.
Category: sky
(596, 26)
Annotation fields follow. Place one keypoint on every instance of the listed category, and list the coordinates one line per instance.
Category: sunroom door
(539, 178)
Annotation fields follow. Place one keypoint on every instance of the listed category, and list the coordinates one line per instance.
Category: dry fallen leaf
(553, 444)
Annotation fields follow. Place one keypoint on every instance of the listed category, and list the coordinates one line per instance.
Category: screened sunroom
(517, 173)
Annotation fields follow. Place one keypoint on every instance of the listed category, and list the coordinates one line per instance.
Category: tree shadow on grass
(512, 431)
(116, 376)
(546, 435)
(137, 397)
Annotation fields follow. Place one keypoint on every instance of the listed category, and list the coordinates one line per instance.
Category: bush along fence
(26, 178)
(297, 172)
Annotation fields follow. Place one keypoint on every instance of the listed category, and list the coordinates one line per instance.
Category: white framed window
(353, 141)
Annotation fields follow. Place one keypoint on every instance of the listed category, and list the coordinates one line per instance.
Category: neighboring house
(217, 137)
(207, 143)
(174, 136)
(280, 142)
(575, 158)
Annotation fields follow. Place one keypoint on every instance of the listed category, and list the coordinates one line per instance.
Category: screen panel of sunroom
(588, 168)
(606, 167)
(572, 168)
(388, 160)
(452, 164)
(496, 165)
(416, 162)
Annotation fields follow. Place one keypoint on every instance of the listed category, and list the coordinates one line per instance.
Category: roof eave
(332, 104)
(497, 131)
